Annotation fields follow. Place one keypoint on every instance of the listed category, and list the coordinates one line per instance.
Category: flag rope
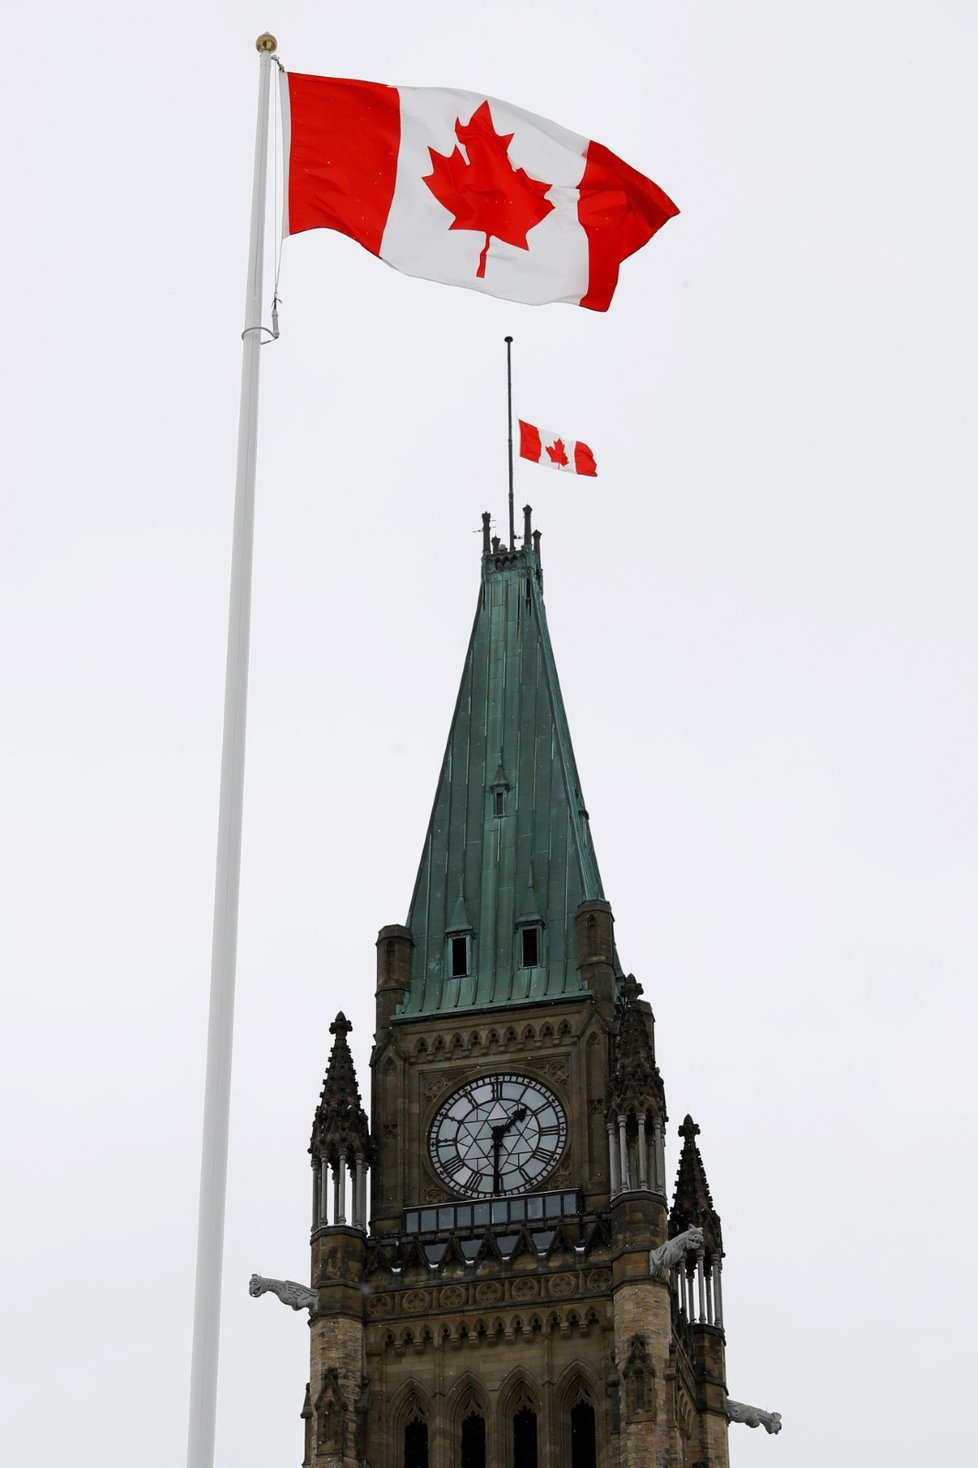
(276, 197)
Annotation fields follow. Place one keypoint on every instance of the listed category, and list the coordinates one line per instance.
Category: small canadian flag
(556, 451)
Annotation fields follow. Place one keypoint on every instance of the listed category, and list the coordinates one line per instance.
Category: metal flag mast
(509, 408)
(220, 1025)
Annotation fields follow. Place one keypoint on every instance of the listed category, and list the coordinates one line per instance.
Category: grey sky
(763, 614)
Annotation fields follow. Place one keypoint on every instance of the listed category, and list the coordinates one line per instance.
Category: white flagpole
(220, 1027)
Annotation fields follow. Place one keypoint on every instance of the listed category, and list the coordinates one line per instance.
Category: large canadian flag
(464, 189)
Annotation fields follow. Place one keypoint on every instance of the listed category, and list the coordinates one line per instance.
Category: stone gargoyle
(664, 1259)
(290, 1293)
(753, 1416)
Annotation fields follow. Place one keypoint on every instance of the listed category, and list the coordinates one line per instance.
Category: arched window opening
(416, 1444)
(473, 1441)
(525, 1439)
(584, 1453)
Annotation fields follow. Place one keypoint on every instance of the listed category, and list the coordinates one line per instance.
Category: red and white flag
(556, 451)
(464, 189)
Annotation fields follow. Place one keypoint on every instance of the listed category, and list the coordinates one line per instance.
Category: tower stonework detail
(499, 1278)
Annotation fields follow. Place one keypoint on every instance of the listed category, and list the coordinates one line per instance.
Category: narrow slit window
(530, 947)
(499, 796)
(459, 956)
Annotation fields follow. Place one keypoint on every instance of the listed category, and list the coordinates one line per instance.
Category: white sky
(764, 620)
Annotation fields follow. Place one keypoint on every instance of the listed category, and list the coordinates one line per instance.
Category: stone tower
(498, 1280)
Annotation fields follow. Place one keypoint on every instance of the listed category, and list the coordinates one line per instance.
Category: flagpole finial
(266, 42)
(507, 338)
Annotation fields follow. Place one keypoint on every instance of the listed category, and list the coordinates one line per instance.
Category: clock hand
(498, 1132)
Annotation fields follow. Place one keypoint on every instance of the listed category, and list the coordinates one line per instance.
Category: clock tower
(499, 1278)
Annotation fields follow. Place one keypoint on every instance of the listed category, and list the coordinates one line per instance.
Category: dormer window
(530, 946)
(499, 789)
(459, 955)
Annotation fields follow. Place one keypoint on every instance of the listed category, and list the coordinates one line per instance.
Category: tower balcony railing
(697, 1294)
(342, 1182)
(636, 1153)
(467, 1217)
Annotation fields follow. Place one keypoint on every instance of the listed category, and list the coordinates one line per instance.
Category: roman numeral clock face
(500, 1134)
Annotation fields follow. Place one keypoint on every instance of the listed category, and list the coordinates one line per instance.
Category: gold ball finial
(266, 42)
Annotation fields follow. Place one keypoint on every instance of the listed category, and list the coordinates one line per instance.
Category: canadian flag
(464, 189)
(556, 451)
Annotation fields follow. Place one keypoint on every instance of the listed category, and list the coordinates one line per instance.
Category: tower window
(529, 947)
(416, 1444)
(458, 955)
(499, 802)
(525, 1439)
(474, 1441)
(583, 1448)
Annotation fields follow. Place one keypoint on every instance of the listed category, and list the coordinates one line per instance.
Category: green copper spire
(508, 854)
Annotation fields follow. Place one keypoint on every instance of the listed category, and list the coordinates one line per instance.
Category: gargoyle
(664, 1259)
(753, 1416)
(287, 1291)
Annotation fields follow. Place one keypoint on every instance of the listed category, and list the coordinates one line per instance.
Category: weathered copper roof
(508, 843)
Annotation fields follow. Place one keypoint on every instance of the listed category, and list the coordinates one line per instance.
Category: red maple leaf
(487, 193)
(557, 453)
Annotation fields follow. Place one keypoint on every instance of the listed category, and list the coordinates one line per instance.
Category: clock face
(499, 1134)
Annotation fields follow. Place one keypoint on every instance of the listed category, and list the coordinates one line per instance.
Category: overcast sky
(763, 614)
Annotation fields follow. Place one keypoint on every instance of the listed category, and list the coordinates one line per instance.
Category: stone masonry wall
(336, 1389)
(642, 1336)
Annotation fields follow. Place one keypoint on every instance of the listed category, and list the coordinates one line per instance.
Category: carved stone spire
(636, 1084)
(340, 1131)
(692, 1205)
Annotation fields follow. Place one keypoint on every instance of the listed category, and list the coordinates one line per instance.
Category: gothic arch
(591, 930)
(574, 1385)
(519, 1394)
(518, 1389)
(409, 1400)
(576, 1389)
(410, 1405)
(330, 1410)
(467, 1395)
